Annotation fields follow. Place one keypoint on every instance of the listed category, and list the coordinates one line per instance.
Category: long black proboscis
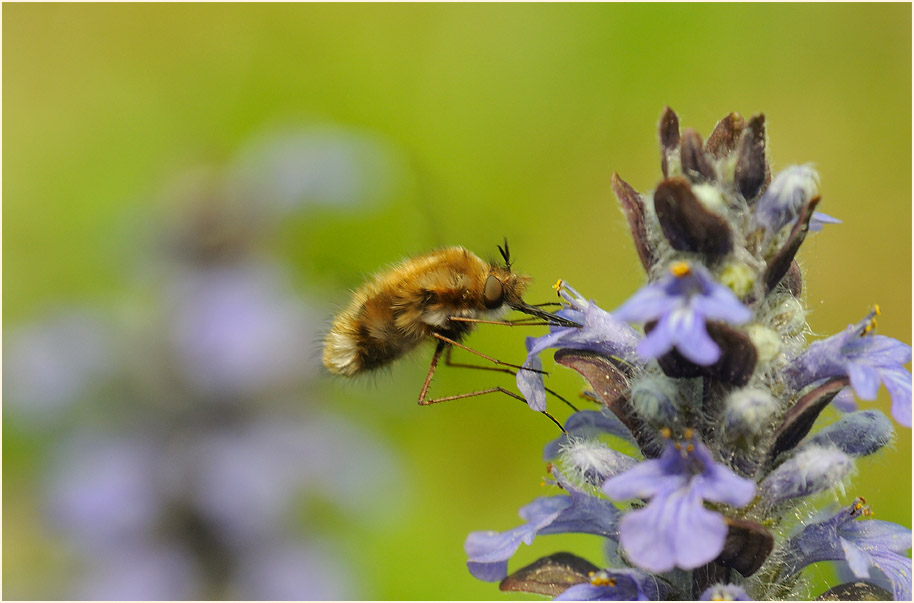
(551, 318)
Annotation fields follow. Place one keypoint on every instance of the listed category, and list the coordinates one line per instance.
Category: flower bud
(812, 470)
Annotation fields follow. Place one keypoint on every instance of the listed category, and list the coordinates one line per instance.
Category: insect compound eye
(492, 296)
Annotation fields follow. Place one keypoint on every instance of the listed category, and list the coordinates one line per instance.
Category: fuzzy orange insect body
(416, 300)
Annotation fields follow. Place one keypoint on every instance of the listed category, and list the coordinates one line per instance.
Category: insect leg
(431, 371)
(491, 390)
(442, 339)
(449, 362)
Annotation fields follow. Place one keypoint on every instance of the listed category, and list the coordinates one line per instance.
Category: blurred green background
(504, 120)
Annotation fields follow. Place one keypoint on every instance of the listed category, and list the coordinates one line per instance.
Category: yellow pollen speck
(600, 581)
(876, 309)
(666, 433)
(680, 269)
(558, 285)
(590, 574)
(690, 448)
(678, 445)
(688, 433)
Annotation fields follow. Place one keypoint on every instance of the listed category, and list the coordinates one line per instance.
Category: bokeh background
(190, 191)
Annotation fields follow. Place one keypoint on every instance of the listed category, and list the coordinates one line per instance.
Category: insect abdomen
(367, 337)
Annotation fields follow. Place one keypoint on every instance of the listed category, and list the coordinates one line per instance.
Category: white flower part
(594, 462)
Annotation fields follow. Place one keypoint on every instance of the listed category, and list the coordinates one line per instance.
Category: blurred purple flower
(104, 490)
(238, 329)
(53, 363)
(682, 301)
(287, 571)
(139, 572)
(292, 168)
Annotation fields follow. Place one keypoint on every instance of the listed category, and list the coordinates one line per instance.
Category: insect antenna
(506, 253)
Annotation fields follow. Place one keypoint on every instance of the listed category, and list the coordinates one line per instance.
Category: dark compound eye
(492, 296)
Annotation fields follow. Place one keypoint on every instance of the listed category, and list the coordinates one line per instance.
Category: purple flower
(865, 358)
(600, 332)
(675, 529)
(862, 544)
(616, 585)
(578, 512)
(289, 571)
(682, 302)
(103, 489)
(136, 572)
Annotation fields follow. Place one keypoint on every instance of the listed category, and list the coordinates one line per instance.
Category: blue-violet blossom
(715, 490)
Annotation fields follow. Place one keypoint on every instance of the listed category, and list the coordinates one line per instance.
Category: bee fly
(438, 296)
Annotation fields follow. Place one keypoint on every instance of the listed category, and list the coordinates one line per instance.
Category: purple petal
(485, 546)
(648, 303)
(530, 383)
(897, 569)
(658, 342)
(673, 531)
(692, 340)
(700, 533)
(845, 401)
(488, 552)
(864, 380)
(878, 534)
(819, 220)
(720, 484)
(719, 303)
(898, 382)
(858, 561)
(885, 351)
(646, 479)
